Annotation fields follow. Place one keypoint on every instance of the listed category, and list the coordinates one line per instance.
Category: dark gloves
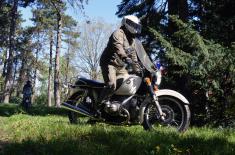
(128, 61)
(137, 68)
(129, 51)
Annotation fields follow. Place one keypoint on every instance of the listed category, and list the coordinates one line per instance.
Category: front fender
(163, 92)
(168, 92)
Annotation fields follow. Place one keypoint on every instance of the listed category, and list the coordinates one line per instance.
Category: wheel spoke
(175, 122)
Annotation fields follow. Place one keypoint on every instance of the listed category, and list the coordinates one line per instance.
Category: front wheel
(177, 114)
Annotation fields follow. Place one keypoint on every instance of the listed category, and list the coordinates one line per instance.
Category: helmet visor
(137, 27)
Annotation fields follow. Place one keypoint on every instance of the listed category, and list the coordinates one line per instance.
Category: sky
(104, 9)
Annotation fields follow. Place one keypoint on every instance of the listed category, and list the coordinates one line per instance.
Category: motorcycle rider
(120, 50)
(27, 92)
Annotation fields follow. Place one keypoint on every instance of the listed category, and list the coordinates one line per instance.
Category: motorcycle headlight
(157, 78)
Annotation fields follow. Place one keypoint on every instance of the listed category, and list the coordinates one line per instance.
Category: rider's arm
(118, 43)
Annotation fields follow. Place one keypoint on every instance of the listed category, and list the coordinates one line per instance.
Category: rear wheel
(75, 99)
(177, 114)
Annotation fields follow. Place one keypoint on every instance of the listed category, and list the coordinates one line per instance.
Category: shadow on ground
(12, 109)
(124, 142)
(3, 144)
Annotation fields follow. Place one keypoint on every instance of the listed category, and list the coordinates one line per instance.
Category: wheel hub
(168, 114)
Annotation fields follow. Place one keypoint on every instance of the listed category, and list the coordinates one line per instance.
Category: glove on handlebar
(128, 61)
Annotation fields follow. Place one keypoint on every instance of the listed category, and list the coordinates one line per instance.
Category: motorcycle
(137, 100)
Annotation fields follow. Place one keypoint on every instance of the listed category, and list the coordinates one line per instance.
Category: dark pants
(26, 102)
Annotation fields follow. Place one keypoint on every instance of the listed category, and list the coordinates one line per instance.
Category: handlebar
(130, 70)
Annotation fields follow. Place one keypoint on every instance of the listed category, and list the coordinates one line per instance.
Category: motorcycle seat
(88, 82)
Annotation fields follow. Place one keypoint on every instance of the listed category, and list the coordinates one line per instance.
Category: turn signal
(147, 80)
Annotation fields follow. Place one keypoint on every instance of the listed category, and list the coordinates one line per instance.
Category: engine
(129, 110)
(112, 108)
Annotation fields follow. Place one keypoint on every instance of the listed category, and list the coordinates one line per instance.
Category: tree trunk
(67, 62)
(172, 10)
(180, 8)
(35, 65)
(22, 76)
(50, 71)
(1, 4)
(21, 80)
(57, 62)
(9, 78)
(183, 10)
(4, 63)
(15, 70)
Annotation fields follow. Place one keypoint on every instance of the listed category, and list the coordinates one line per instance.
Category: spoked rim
(173, 111)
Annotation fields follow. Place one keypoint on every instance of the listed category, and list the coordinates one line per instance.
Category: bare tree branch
(93, 40)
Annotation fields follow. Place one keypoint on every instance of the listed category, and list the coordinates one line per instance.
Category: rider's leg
(109, 75)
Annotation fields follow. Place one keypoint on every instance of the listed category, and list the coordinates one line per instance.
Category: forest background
(193, 39)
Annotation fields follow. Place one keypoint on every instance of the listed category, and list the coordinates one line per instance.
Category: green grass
(41, 133)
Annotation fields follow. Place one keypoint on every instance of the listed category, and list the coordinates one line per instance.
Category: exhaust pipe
(76, 109)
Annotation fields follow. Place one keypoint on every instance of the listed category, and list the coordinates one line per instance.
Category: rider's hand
(128, 61)
(138, 72)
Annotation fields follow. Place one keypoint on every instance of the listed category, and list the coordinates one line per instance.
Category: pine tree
(202, 65)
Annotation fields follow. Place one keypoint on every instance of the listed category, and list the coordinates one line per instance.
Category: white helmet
(132, 24)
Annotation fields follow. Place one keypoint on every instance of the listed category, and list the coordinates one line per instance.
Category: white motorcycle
(137, 100)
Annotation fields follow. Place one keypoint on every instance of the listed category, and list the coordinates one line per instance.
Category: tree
(206, 60)
(11, 45)
(26, 57)
(16, 57)
(93, 39)
(59, 7)
(215, 19)
(9, 73)
(50, 71)
(71, 39)
(59, 11)
(179, 8)
(4, 35)
(47, 18)
(190, 66)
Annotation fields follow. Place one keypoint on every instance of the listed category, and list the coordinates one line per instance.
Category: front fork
(155, 98)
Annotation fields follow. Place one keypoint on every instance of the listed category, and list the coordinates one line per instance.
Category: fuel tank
(128, 84)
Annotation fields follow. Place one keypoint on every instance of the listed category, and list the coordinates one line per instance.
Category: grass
(47, 131)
